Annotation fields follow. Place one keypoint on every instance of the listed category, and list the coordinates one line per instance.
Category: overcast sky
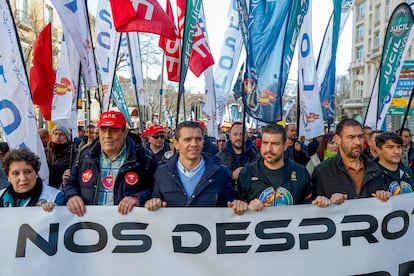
(216, 20)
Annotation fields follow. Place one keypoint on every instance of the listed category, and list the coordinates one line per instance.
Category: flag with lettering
(75, 23)
(42, 75)
(17, 115)
(141, 16)
(171, 49)
(107, 49)
(273, 29)
(311, 122)
(398, 37)
(201, 57)
(227, 62)
(326, 64)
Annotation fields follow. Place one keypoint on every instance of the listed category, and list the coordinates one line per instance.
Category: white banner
(311, 119)
(64, 103)
(227, 63)
(17, 116)
(358, 237)
(107, 47)
(75, 23)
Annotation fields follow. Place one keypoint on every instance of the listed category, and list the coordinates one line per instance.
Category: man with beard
(58, 154)
(233, 155)
(350, 174)
(273, 179)
(295, 149)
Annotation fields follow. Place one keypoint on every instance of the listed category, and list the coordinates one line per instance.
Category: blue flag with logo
(270, 38)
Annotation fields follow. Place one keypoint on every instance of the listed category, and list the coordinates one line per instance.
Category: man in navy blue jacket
(191, 178)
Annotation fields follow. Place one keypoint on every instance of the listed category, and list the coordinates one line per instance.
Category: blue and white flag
(273, 29)
(17, 116)
(75, 23)
(118, 97)
(326, 65)
(65, 96)
(107, 48)
(227, 62)
(310, 111)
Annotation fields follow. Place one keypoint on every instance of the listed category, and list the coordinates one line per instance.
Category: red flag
(201, 57)
(42, 76)
(172, 50)
(141, 16)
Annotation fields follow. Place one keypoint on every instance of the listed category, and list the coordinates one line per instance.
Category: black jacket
(331, 177)
(138, 160)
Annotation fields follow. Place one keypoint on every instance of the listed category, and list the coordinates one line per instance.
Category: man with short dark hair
(233, 156)
(408, 148)
(274, 180)
(192, 178)
(398, 178)
(350, 174)
(114, 170)
(295, 149)
(371, 151)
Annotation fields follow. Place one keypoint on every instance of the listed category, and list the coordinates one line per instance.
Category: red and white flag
(201, 57)
(171, 50)
(141, 16)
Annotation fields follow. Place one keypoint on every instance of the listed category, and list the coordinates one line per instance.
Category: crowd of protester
(242, 169)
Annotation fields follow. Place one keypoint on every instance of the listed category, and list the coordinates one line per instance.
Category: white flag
(107, 46)
(311, 120)
(75, 23)
(210, 104)
(17, 114)
(227, 63)
(64, 103)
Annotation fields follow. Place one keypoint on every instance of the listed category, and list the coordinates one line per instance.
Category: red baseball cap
(114, 119)
(154, 129)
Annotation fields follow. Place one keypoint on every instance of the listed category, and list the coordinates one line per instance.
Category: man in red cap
(113, 170)
(156, 142)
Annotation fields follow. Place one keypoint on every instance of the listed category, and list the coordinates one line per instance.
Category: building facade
(370, 21)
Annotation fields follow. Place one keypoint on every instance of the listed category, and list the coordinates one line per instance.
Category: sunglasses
(221, 141)
(158, 136)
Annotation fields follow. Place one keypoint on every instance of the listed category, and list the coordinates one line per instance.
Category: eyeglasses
(158, 136)
(221, 141)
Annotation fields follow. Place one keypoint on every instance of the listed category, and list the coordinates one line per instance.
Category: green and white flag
(397, 39)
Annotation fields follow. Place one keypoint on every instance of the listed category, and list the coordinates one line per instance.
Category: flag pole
(407, 111)
(162, 84)
(141, 124)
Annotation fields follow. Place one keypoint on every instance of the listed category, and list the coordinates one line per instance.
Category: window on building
(360, 31)
(23, 10)
(360, 52)
(377, 40)
(361, 9)
(378, 13)
(387, 9)
(359, 89)
(48, 14)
